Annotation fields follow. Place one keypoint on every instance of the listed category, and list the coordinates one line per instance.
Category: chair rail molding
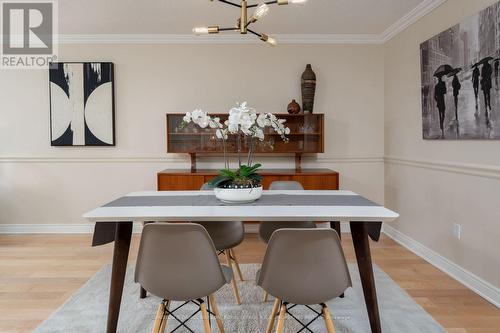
(478, 170)
(167, 159)
(478, 285)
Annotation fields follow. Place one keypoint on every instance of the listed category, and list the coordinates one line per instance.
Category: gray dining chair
(178, 262)
(226, 235)
(266, 229)
(303, 267)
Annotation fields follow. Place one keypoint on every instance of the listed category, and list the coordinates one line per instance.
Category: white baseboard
(471, 281)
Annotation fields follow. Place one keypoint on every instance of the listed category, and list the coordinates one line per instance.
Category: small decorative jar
(293, 107)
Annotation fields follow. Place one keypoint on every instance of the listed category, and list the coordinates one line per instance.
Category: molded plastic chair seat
(225, 234)
(266, 229)
(178, 262)
(306, 267)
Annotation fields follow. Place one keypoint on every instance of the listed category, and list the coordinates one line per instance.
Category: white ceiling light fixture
(244, 21)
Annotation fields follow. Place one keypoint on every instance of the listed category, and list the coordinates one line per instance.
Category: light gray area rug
(86, 310)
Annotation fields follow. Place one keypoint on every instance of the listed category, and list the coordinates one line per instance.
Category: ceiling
(90, 17)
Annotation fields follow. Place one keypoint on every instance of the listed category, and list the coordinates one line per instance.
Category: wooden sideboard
(311, 179)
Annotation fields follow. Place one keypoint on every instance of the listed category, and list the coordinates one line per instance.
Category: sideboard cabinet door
(318, 182)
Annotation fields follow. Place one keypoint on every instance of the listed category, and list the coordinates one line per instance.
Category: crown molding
(424, 8)
(219, 39)
(413, 16)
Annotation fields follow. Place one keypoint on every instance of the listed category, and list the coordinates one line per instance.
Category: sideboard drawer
(179, 182)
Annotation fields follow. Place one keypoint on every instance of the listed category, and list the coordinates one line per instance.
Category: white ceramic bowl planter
(238, 195)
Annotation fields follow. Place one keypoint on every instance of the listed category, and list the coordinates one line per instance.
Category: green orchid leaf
(219, 180)
(228, 173)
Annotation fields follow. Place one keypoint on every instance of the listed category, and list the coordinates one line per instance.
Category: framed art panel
(82, 104)
(460, 80)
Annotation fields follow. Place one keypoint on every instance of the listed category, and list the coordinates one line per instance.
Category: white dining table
(114, 221)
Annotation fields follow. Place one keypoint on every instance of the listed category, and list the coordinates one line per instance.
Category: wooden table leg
(363, 256)
(120, 256)
(336, 226)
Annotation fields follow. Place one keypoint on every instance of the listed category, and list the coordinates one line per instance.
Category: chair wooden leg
(228, 257)
(165, 318)
(281, 319)
(236, 263)
(266, 296)
(206, 322)
(270, 323)
(233, 281)
(218, 318)
(159, 320)
(328, 320)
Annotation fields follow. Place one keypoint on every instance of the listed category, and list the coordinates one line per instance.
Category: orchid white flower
(263, 121)
(233, 128)
(259, 134)
(187, 117)
(215, 123)
(197, 114)
(241, 120)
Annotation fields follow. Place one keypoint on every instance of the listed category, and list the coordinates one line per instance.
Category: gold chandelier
(243, 23)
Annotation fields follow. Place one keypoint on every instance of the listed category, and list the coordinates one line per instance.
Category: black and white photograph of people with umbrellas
(460, 80)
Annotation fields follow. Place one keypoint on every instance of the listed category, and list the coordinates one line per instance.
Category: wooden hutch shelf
(306, 137)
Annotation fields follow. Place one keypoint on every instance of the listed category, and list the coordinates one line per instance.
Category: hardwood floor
(39, 272)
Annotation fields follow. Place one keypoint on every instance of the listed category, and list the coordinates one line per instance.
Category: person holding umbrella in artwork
(456, 89)
(475, 82)
(497, 65)
(486, 84)
(440, 93)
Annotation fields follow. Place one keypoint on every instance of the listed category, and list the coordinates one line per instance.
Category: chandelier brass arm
(244, 21)
(229, 3)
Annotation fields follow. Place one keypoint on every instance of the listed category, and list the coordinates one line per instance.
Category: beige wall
(434, 184)
(49, 185)
(431, 184)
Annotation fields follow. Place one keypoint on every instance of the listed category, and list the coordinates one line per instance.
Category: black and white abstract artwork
(82, 104)
(460, 80)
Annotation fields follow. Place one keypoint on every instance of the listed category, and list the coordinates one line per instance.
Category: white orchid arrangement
(243, 121)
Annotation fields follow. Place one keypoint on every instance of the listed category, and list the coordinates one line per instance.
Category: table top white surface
(252, 212)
